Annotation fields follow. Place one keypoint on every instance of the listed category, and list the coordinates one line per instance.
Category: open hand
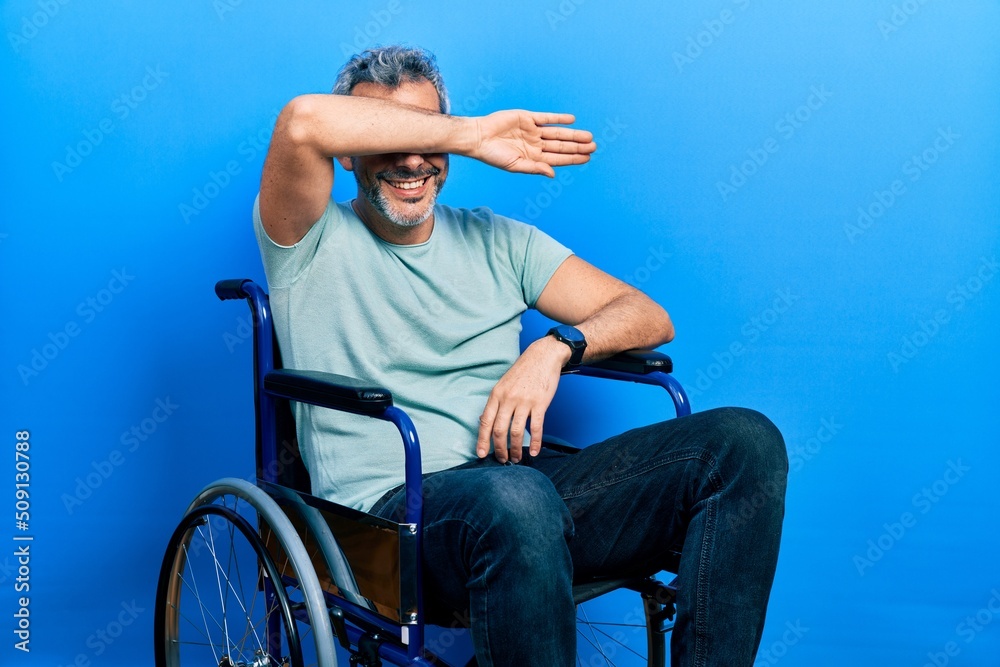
(531, 142)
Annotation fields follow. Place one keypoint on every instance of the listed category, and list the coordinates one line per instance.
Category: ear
(345, 162)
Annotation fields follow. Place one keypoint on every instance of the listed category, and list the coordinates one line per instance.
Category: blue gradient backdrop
(809, 188)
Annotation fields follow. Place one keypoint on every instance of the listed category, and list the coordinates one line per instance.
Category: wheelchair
(260, 573)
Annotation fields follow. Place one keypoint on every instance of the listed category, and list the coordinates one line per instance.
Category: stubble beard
(380, 202)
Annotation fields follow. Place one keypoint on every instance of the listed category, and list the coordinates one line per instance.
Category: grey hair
(391, 66)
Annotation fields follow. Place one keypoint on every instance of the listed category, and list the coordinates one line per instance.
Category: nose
(411, 161)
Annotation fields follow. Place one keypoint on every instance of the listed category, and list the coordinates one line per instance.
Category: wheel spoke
(617, 625)
(218, 580)
(617, 642)
(596, 643)
(229, 585)
(198, 595)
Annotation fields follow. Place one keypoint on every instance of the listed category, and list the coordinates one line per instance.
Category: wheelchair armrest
(328, 390)
(644, 367)
(638, 362)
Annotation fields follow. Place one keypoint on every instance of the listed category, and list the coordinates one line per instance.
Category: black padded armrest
(328, 390)
(638, 362)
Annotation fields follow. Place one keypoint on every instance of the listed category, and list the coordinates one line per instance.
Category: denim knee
(519, 510)
(749, 443)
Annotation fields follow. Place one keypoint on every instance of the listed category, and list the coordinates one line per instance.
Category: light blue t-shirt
(437, 324)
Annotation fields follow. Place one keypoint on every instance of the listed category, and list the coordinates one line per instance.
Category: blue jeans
(505, 542)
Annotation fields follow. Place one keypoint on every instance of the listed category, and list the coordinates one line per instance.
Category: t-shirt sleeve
(284, 264)
(535, 257)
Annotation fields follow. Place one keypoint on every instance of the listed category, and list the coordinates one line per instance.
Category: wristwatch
(572, 337)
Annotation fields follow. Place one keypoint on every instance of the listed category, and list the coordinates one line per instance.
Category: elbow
(668, 331)
(666, 327)
(296, 120)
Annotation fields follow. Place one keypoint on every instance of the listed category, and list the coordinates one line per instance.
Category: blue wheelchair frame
(346, 394)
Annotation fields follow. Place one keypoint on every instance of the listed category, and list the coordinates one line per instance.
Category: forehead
(421, 93)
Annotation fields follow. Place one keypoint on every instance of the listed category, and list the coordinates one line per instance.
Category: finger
(544, 169)
(567, 147)
(517, 434)
(537, 421)
(566, 134)
(549, 118)
(501, 427)
(486, 428)
(561, 160)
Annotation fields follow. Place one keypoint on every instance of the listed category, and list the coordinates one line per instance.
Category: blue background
(879, 368)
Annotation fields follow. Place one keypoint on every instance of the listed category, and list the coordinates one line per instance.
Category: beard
(390, 210)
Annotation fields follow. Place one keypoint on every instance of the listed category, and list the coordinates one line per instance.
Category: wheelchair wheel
(619, 629)
(237, 588)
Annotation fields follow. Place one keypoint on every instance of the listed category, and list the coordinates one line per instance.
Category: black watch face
(571, 334)
(574, 338)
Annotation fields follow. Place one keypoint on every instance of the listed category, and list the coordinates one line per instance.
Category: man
(425, 300)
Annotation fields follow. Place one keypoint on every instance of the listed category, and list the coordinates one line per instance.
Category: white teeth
(407, 185)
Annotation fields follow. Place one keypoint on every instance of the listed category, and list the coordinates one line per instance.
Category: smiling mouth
(407, 185)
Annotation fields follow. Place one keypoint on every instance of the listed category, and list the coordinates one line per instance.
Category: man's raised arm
(312, 129)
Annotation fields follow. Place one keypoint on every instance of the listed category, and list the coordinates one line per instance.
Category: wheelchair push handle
(232, 289)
